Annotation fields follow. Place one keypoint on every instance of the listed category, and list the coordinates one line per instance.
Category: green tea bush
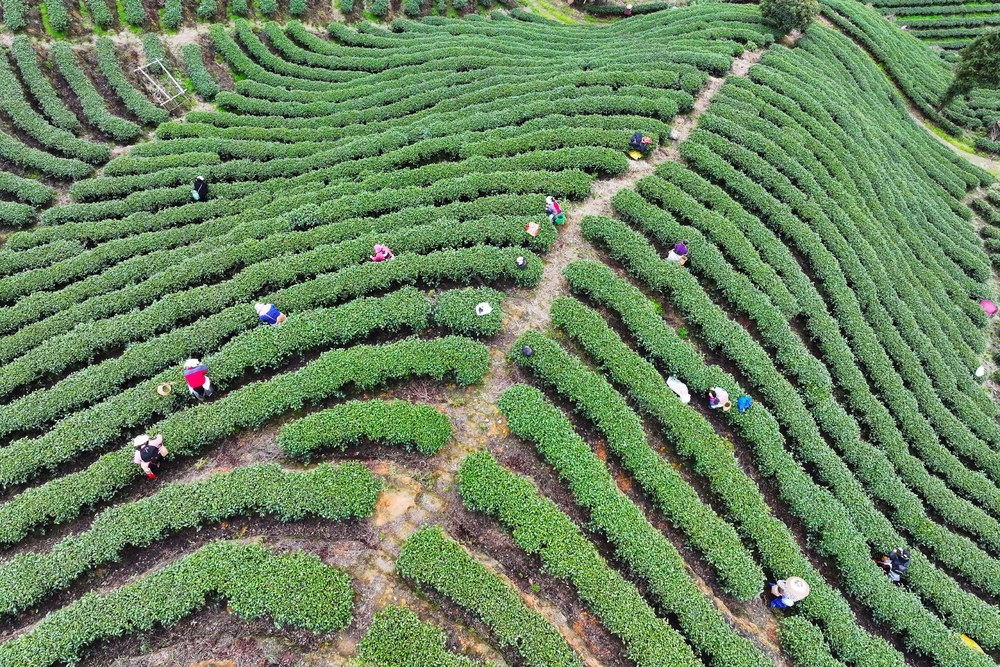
(134, 101)
(94, 106)
(433, 560)
(540, 528)
(26, 60)
(717, 541)
(395, 423)
(638, 543)
(456, 311)
(336, 493)
(190, 431)
(203, 83)
(207, 9)
(173, 14)
(296, 590)
(398, 638)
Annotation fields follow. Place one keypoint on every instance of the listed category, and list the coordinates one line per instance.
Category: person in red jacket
(196, 375)
(382, 253)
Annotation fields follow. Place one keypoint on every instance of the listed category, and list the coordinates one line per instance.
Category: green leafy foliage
(295, 590)
(456, 310)
(26, 60)
(539, 527)
(398, 638)
(599, 402)
(638, 543)
(204, 85)
(789, 15)
(189, 431)
(94, 106)
(433, 560)
(134, 101)
(395, 423)
(978, 65)
(336, 493)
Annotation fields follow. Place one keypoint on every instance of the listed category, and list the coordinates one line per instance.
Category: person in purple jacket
(268, 314)
(679, 253)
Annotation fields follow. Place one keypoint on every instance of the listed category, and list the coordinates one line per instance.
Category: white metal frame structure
(164, 98)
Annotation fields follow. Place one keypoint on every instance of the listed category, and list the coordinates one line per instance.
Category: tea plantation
(492, 381)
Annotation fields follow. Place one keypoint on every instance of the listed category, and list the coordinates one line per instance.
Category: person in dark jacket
(199, 191)
(149, 454)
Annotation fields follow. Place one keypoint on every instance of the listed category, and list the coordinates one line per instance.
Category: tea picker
(639, 146)
(680, 389)
(149, 454)
(382, 253)
(895, 564)
(787, 592)
(199, 191)
(269, 314)
(554, 211)
(679, 253)
(719, 398)
(196, 375)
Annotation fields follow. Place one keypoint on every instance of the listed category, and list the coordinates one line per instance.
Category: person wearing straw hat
(269, 314)
(149, 454)
(196, 375)
(787, 592)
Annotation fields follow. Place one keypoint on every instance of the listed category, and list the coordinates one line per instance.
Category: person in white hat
(196, 375)
(269, 313)
(149, 454)
(788, 591)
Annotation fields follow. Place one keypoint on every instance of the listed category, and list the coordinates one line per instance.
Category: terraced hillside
(394, 476)
(921, 75)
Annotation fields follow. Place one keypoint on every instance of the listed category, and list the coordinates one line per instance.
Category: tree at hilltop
(789, 15)
(978, 66)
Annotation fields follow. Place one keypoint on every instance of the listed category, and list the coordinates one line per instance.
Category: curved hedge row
(94, 107)
(296, 590)
(398, 423)
(539, 527)
(640, 545)
(189, 431)
(337, 493)
(38, 128)
(860, 576)
(203, 83)
(761, 429)
(238, 332)
(717, 541)
(398, 638)
(431, 559)
(26, 60)
(134, 101)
